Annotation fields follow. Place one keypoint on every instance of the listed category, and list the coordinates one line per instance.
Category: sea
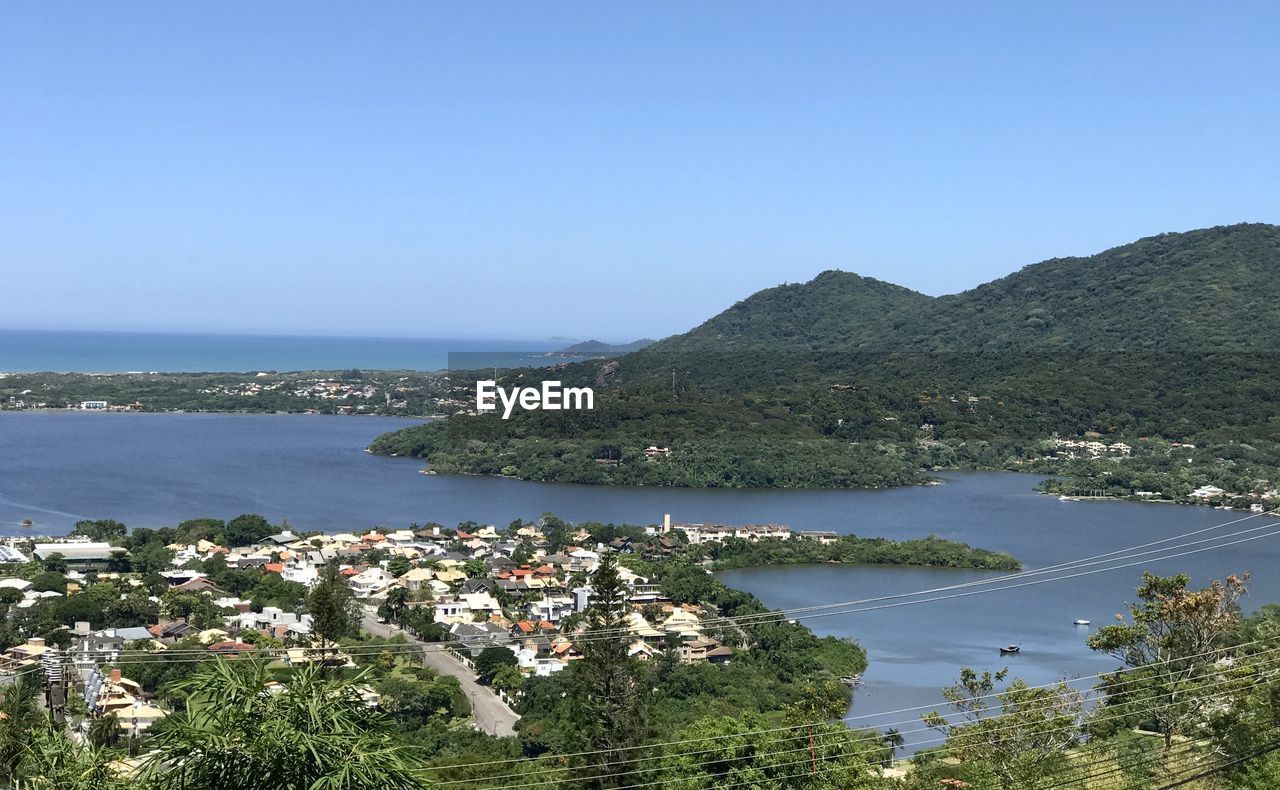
(311, 470)
(29, 351)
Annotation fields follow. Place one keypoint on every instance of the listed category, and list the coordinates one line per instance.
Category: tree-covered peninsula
(851, 382)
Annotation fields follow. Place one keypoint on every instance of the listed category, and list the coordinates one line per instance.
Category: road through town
(491, 714)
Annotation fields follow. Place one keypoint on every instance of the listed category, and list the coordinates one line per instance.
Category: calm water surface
(157, 469)
(175, 352)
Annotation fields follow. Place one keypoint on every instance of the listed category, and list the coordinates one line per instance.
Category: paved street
(491, 714)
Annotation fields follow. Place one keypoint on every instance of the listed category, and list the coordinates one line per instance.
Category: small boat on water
(1081, 622)
(1010, 649)
(852, 681)
(26, 522)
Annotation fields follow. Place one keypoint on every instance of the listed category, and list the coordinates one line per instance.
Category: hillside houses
(474, 588)
(698, 534)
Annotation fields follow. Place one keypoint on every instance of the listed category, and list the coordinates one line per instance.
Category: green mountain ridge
(847, 381)
(600, 347)
(1201, 290)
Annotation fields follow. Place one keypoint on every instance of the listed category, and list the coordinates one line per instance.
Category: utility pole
(55, 689)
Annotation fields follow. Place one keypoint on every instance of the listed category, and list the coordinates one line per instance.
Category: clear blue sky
(598, 169)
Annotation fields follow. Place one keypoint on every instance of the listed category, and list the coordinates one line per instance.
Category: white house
(452, 610)
(370, 581)
(551, 608)
(1207, 492)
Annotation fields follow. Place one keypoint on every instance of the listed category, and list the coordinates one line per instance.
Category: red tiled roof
(230, 647)
(274, 567)
(526, 626)
(348, 571)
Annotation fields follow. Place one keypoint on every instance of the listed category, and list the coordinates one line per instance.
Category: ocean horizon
(79, 351)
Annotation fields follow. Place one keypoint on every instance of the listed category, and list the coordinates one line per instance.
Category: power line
(1069, 727)
(1271, 747)
(848, 719)
(1121, 766)
(1215, 684)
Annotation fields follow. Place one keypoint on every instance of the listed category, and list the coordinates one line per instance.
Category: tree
(398, 566)
(315, 733)
(49, 581)
(20, 718)
(216, 567)
(334, 610)
(420, 621)
(1244, 723)
(748, 752)
(55, 563)
(131, 611)
(195, 608)
(247, 530)
(54, 761)
(491, 660)
(1170, 640)
(119, 561)
(151, 558)
(1026, 734)
(508, 679)
(104, 731)
(814, 711)
(607, 680)
(397, 598)
(196, 529)
(416, 701)
(105, 530)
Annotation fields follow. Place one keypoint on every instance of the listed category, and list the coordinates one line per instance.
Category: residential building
(78, 554)
(822, 536)
(23, 656)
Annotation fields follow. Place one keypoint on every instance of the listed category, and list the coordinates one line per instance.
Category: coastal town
(466, 589)
(402, 393)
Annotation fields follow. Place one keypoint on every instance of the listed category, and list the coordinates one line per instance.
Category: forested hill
(598, 347)
(848, 381)
(1203, 290)
(835, 310)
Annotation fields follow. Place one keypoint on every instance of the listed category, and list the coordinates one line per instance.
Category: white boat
(1081, 622)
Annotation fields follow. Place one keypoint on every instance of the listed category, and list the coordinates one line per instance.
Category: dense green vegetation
(327, 392)
(1204, 290)
(598, 348)
(1157, 472)
(849, 382)
(933, 550)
